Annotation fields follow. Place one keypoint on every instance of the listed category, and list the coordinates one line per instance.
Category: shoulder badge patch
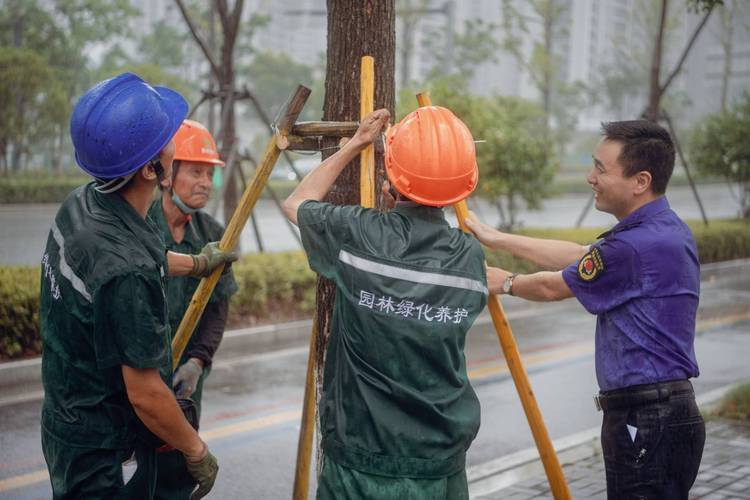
(591, 265)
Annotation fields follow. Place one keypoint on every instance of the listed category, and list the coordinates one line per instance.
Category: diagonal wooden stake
(237, 223)
(513, 358)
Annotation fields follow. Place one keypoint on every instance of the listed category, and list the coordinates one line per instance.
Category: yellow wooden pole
(307, 425)
(547, 453)
(232, 233)
(367, 157)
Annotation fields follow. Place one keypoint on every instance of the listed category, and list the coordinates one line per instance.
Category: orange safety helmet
(430, 157)
(194, 143)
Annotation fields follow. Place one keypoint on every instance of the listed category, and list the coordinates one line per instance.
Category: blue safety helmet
(121, 124)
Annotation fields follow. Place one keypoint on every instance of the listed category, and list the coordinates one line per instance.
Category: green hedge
(38, 189)
(281, 286)
(735, 405)
(45, 188)
(19, 312)
(272, 286)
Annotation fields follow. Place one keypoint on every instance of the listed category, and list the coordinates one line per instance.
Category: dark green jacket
(396, 397)
(201, 229)
(102, 306)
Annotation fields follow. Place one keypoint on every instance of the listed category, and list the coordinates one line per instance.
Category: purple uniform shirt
(642, 280)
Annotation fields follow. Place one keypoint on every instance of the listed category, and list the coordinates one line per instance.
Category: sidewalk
(724, 472)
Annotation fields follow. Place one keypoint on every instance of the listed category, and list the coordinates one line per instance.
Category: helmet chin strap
(182, 205)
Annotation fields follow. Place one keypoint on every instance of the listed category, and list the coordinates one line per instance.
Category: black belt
(639, 395)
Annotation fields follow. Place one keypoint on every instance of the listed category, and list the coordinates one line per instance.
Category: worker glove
(211, 257)
(186, 378)
(204, 472)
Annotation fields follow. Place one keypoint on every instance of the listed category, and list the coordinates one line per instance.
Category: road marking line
(15, 482)
(534, 360)
(251, 425)
(284, 417)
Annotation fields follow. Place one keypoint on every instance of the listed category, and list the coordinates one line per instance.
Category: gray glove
(210, 258)
(185, 379)
(204, 472)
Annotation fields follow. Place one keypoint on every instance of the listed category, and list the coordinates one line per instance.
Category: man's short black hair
(646, 146)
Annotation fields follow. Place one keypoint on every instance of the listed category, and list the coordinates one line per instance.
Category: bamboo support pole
(307, 425)
(236, 224)
(367, 157)
(513, 358)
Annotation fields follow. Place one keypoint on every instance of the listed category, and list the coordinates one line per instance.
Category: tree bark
(355, 29)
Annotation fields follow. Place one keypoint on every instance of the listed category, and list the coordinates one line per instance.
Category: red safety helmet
(430, 157)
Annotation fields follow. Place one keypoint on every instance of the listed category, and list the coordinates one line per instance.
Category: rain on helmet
(121, 124)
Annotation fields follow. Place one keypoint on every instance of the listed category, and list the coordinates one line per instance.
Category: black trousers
(652, 450)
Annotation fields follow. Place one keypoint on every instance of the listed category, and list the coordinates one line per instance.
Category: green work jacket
(102, 306)
(396, 397)
(200, 230)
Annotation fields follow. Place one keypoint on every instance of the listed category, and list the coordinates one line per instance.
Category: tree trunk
(407, 48)
(15, 159)
(230, 27)
(725, 38)
(355, 29)
(57, 150)
(655, 90)
(548, 66)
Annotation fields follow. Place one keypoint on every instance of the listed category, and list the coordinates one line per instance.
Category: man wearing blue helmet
(104, 317)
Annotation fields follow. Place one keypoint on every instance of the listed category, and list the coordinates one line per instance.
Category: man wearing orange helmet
(397, 411)
(185, 227)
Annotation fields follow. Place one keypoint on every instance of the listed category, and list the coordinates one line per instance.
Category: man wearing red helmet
(186, 229)
(397, 411)
(106, 359)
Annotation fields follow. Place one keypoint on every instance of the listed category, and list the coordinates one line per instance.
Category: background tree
(36, 101)
(408, 12)
(547, 26)
(729, 13)
(222, 69)
(454, 68)
(274, 73)
(658, 84)
(624, 80)
(719, 146)
(474, 45)
(60, 34)
(515, 161)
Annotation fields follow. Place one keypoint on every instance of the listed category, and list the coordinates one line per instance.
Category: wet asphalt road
(252, 401)
(24, 228)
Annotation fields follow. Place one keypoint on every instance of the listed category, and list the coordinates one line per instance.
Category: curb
(500, 473)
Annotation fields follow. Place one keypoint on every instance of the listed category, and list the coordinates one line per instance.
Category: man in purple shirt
(642, 280)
